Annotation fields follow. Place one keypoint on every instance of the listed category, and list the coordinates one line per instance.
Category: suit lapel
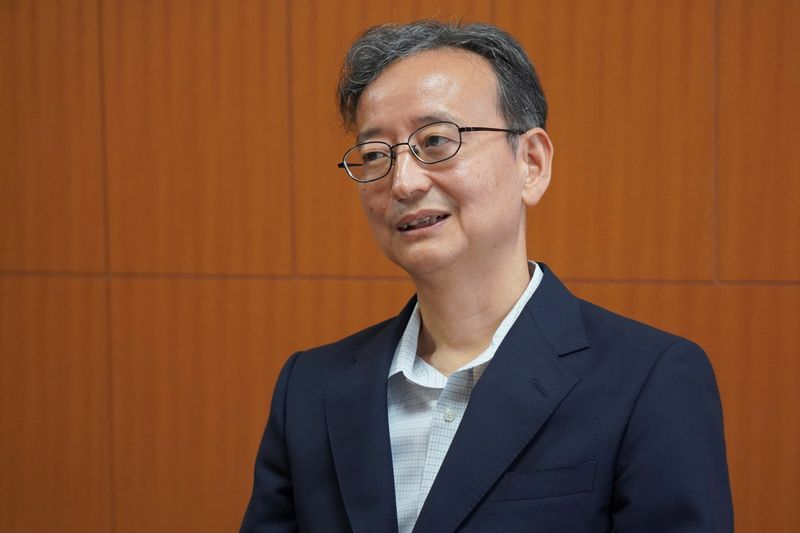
(522, 386)
(356, 413)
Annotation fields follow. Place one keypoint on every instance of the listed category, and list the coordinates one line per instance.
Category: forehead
(442, 84)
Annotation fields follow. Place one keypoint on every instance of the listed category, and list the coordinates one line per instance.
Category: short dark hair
(520, 96)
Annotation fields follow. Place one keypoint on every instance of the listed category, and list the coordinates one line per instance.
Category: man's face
(476, 200)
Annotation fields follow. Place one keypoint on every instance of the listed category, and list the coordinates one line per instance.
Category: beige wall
(172, 227)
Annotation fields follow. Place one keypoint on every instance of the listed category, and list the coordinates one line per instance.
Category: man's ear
(536, 154)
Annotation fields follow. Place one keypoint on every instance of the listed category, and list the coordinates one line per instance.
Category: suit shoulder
(608, 329)
(353, 340)
(340, 352)
(627, 354)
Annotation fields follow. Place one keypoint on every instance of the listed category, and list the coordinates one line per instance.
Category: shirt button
(449, 415)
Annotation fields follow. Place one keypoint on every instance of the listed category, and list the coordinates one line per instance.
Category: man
(496, 400)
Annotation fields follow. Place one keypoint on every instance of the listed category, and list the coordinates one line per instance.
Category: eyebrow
(366, 134)
(417, 121)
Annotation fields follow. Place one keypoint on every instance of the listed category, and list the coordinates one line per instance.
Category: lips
(422, 222)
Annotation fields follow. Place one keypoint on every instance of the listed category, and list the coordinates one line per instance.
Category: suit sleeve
(271, 506)
(671, 473)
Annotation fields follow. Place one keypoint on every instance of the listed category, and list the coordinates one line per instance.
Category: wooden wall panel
(631, 90)
(194, 366)
(54, 430)
(332, 233)
(750, 334)
(758, 339)
(759, 163)
(51, 204)
(198, 136)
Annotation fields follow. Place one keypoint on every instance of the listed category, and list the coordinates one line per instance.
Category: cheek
(374, 205)
(475, 190)
(465, 182)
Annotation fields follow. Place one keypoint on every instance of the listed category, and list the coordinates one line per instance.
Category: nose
(409, 175)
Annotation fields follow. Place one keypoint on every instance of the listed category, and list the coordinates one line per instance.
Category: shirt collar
(405, 359)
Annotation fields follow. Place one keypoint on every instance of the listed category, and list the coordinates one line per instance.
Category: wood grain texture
(332, 233)
(51, 203)
(194, 366)
(54, 428)
(631, 91)
(198, 136)
(751, 336)
(759, 165)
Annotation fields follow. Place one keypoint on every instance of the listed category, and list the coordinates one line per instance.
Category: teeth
(420, 222)
(427, 221)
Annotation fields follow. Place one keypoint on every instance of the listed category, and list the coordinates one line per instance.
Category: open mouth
(422, 222)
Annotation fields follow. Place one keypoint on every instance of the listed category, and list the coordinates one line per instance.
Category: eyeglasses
(433, 143)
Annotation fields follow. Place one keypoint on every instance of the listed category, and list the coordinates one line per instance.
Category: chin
(421, 262)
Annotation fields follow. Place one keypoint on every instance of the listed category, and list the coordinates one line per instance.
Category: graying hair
(520, 96)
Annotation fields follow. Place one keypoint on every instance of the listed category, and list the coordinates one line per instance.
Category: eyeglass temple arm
(516, 132)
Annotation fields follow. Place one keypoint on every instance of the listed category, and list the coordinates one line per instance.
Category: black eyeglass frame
(413, 149)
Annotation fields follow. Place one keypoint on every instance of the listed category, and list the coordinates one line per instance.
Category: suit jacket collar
(358, 426)
(521, 387)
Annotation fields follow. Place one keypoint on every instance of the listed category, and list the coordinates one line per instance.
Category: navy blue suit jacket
(584, 421)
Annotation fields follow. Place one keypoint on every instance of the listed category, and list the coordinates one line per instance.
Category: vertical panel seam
(290, 138)
(112, 477)
(715, 144)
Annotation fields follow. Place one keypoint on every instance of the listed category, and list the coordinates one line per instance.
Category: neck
(461, 311)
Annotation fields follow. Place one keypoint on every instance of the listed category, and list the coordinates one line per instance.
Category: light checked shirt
(425, 409)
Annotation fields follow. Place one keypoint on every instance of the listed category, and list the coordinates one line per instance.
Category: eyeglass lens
(430, 144)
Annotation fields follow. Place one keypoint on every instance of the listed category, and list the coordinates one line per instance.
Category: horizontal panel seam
(343, 277)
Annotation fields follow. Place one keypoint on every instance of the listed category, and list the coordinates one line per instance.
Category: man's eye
(373, 156)
(434, 141)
